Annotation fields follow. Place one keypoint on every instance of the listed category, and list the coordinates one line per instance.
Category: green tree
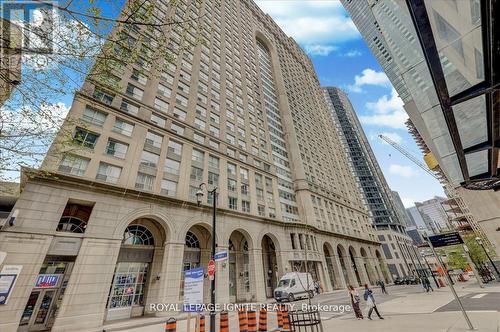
(456, 260)
(476, 252)
(92, 40)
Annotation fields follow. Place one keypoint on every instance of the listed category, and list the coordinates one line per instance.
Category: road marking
(478, 296)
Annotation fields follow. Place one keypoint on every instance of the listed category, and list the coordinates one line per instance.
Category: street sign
(193, 289)
(211, 269)
(443, 240)
(220, 256)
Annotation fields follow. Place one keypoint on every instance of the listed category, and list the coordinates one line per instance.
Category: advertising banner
(193, 289)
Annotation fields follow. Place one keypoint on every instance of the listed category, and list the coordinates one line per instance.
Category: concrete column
(222, 278)
(361, 270)
(84, 302)
(205, 255)
(30, 250)
(350, 271)
(327, 284)
(174, 254)
(257, 272)
(340, 280)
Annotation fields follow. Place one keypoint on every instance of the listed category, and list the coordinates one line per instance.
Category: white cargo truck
(293, 286)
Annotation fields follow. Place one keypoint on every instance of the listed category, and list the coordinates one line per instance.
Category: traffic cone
(263, 320)
(242, 316)
(280, 317)
(286, 319)
(202, 323)
(171, 325)
(224, 322)
(252, 321)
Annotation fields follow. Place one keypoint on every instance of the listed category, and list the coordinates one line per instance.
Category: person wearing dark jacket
(370, 300)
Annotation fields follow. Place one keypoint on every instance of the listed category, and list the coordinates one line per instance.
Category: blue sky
(341, 58)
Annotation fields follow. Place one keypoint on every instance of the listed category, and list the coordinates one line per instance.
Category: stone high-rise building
(109, 226)
(385, 214)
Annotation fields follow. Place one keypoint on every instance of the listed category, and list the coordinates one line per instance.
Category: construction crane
(449, 189)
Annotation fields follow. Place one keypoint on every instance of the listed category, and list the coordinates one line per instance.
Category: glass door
(44, 307)
(30, 308)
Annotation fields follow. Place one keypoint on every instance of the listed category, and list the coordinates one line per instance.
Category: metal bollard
(171, 325)
(242, 316)
(263, 320)
(224, 322)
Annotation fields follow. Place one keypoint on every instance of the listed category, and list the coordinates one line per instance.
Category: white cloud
(393, 136)
(408, 201)
(369, 77)
(312, 23)
(353, 53)
(47, 118)
(322, 50)
(400, 170)
(386, 112)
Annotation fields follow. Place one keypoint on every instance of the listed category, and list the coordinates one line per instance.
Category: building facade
(457, 32)
(400, 208)
(434, 214)
(114, 221)
(388, 222)
(10, 58)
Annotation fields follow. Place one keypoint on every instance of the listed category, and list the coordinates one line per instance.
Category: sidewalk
(429, 322)
(413, 312)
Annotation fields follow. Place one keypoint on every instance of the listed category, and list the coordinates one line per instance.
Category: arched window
(71, 224)
(192, 241)
(245, 246)
(138, 235)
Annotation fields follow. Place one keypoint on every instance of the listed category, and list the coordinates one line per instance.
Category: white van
(294, 285)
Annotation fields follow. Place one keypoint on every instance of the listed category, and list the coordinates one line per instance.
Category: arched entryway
(270, 265)
(381, 265)
(197, 246)
(239, 268)
(139, 258)
(352, 255)
(342, 256)
(328, 251)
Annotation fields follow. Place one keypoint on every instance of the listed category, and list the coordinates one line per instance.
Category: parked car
(399, 281)
(294, 285)
(412, 280)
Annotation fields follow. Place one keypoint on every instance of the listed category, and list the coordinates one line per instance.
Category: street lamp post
(199, 196)
(480, 242)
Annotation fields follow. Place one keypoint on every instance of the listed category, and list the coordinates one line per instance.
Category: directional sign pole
(450, 282)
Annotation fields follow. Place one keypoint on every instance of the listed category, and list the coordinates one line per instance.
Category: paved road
(475, 302)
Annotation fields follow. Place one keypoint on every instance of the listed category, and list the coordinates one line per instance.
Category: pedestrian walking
(370, 301)
(425, 285)
(382, 287)
(354, 295)
(317, 286)
(428, 284)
